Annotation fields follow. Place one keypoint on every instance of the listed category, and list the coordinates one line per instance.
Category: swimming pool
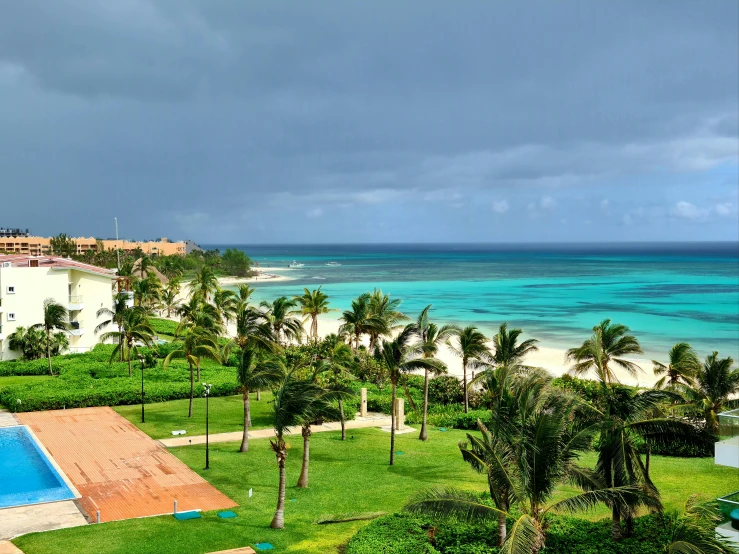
(26, 475)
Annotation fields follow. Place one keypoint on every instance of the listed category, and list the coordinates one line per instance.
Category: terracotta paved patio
(117, 468)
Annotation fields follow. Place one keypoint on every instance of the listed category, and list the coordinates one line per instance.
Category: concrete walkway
(7, 419)
(33, 518)
(372, 420)
(7, 547)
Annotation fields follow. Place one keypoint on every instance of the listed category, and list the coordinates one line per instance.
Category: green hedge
(163, 326)
(401, 533)
(393, 534)
(451, 416)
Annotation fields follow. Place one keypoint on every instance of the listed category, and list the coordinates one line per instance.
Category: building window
(11, 289)
(11, 316)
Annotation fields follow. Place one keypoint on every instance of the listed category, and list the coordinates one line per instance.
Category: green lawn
(346, 477)
(23, 380)
(226, 415)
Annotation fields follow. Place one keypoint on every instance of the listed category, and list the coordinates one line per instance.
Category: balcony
(76, 328)
(75, 303)
(727, 448)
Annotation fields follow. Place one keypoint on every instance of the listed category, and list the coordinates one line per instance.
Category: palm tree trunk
(48, 353)
(192, 390)
(616, 525)
(259, 397)
(647, 459)
(314, 327)
(341, 418)
(129, 365)
(392, 424)
(424, 433)
(278, 522)
(464, 384)
(303, 479)
(502, 529)
(247, 423)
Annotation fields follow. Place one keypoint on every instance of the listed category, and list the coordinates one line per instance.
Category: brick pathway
(118, 469)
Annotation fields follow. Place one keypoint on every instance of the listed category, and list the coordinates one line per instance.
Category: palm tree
(472, 348)
(168, 301)
(359, 320)
(312, 304)
(133, 328)
(431, 337)
(205, 284)
(59, 343)
(244, 295)
(115, 316)
(293, 403)
(338, 362)
(279, 315)
(226, 302)
(253, 331)
(530, 458)
(145, 262)
(401, 356)
(715, 383)
(609, 343)
(30, 342)
(682, 367)
(254, 372)
(56, 318)
(196, 343)
(147, 292)
(694, 532)
(384, 315)
(507, 350)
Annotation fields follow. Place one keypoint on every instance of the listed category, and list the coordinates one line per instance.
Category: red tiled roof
(53, 262)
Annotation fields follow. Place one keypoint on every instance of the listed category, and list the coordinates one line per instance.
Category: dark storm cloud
(275, 121)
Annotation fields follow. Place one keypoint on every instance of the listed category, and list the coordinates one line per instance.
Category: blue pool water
(26, 475)
(666, 292)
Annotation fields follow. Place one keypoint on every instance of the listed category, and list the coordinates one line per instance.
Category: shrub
(393, 534)
(163, 326)
(445, 389)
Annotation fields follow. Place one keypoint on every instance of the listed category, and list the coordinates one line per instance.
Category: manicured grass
(23, 380)
(226, 415)
(346, 477)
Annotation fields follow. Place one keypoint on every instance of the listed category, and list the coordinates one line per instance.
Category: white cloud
(314, 213)
(501, 206)
(547, 203)
(725, 209)
(686, 210)
(604, 203)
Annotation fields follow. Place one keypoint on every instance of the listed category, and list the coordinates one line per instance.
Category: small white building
(727, 454)
(26, 281)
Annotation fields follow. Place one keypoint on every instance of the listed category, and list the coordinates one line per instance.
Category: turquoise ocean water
(665, 292)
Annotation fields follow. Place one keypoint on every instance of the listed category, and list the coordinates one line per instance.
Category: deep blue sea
(666, 292)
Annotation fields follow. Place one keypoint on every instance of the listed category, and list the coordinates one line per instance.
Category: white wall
(34, 284)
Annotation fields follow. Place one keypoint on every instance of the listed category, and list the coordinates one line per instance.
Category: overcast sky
(227, 121)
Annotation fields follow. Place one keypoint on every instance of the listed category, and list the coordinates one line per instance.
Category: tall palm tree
(385, 316)
(471, 346)
(168, 301)
(202, 315)
(293, 403)
(196, 343)
(431, 337)
(322, 409)
(115, 317)
(401, 356)
(243, 295)
(226, 302)
(608, 344)
(59, 343)
(205, 284)
(312, 304)
(134, 328)
(148, 291)
(359, 320)
(507, 351)
(532, 457)
(338, 362)
(716, 382)
(255, 371)
(56, 318)
(278, 313)
(253, 331)
(145, 262)
(681, 368)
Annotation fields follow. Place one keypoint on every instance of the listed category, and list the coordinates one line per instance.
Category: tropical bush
(163, 326)
(445, 389)
(393, 534)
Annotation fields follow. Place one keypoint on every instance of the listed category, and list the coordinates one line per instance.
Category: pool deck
(117, 468)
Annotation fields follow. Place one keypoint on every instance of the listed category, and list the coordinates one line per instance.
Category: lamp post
(207, 446)
(117, 249)
(141, 359)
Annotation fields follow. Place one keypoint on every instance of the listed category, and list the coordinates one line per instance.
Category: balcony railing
(76, 328)
(75, 299)
(727, 448)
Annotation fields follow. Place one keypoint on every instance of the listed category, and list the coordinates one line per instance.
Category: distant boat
(333, 264)
(296, 264)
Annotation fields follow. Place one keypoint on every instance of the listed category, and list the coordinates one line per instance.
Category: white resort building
(26, 281)
(727, 454)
